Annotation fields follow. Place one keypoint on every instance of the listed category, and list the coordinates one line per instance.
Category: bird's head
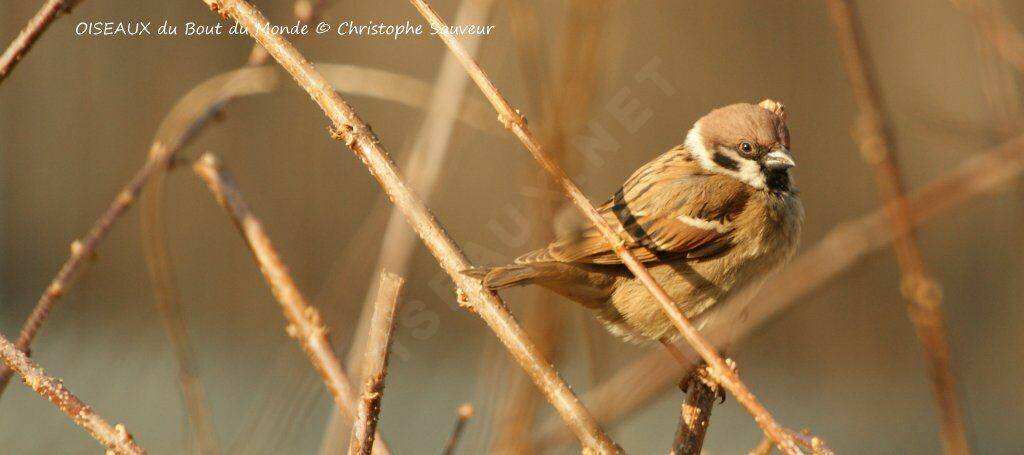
(749, 142)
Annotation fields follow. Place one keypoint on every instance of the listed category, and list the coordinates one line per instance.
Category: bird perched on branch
(707, 218)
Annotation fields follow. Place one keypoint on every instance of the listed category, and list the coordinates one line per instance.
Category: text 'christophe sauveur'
(344, 28)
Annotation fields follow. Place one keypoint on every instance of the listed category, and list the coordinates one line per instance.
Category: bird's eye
(746, 147)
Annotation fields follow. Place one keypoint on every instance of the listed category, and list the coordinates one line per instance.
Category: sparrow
(707, 218)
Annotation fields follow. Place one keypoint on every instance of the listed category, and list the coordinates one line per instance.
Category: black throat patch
(777, 180)
(725, 162)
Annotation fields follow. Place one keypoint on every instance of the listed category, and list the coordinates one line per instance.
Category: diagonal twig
(721, 372)
(304, 322)
(356, 134)
(375, 366)
(425, 161)
(564, 110)
(50, 11)
(115, 438)
(874, 138)
(82, 251)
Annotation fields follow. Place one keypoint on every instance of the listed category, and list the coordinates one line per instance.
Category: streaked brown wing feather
(670, 209)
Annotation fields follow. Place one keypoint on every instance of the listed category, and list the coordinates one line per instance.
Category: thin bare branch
(722, 373)
(425, 161)
(464, 414)
(304, 320)
(695, 413)
(923, 294)
(50, 11)
(563, 111)
(115, 438)
(375, 366)
(82, 251)
(845, 245)
(356, 134)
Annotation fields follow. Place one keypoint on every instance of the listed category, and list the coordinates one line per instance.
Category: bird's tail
(495, 278)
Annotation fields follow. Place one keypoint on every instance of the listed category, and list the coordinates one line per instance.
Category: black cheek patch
(726, 162)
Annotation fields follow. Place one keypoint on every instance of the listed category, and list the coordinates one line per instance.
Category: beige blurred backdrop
(77, 117)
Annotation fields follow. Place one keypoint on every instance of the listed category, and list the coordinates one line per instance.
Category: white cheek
(750, 172)
(695, 144)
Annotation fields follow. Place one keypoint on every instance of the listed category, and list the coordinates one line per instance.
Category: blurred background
(78, 115)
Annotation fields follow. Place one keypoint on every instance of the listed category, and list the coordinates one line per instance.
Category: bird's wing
(669, 208)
